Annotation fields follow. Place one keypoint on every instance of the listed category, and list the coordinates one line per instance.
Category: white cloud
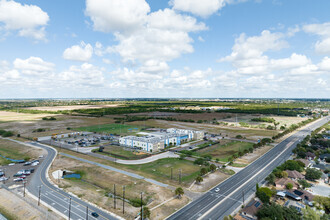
(117, 15)
(33, 66)
(28, 20)
(295, 60)
(82, 52)
(203, 8)
(323, 30)
(325, 64)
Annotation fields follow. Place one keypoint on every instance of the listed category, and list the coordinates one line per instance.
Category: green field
(14, 151)
(161, 170)
(224, 151)
(111, 129)
(121, 153)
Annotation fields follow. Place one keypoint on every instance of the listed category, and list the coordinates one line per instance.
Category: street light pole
(24, 188)
(70, 208)
(114, 195)
(86, 212)
(39, 195)
(141, 207)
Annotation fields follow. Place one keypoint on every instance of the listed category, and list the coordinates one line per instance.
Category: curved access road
(236, 189)
(56, 198)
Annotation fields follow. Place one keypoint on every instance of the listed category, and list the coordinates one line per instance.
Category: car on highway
(216, 190)
(94, 214)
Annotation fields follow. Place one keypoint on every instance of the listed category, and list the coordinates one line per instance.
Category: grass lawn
(16, 151)
(111, 129)
(224, 151)
(122, 153)
(238, 165)
(161, 170)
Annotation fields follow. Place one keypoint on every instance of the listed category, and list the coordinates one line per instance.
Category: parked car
(18, 180)
(3, 178)
(94, 214)
(27, 163)
(31, 170)
(34, 164)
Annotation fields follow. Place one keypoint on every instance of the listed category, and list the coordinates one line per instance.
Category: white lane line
(65, 208)
(67, 202)
(211, 209)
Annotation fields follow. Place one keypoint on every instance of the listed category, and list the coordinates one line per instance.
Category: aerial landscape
(177, 109)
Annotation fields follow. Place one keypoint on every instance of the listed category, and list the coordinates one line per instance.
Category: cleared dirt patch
(168, 208)
(250, 157)
(209, 181)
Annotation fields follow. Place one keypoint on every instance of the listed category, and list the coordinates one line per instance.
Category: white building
(192, 135)
(146, 143)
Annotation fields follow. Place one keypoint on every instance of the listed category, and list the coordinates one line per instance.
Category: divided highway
(216, 205)
(57, 198)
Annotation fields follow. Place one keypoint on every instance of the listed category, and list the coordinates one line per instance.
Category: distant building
(297, 205)
(249, 212)
(155, 141)
(306, 162)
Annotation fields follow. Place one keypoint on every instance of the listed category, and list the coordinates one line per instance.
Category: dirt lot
(71, 107)
(250, 157)
(168, 208)
(209, 181)
(19, 209)
(98, 181)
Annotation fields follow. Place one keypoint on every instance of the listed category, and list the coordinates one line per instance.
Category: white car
(34, 164)
(18, 180)
(3, 178)
(217, 190)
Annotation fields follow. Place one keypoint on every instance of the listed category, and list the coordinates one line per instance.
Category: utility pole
(39, 195)
(114, 195)
(4, 174)
(70, 208)
(86, 212)
(123, 199)
(243, 197)
(58, 177)
(180, 174)
(141, 208)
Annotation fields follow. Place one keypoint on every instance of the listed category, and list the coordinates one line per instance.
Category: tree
(179, 192)
(182, 156)
(263, 196)
(289, 186)
(284, 174)
(275, 211)
(271, 178)
(146, 212)
(304, 184)
(199, 179)
(203, 171)
(313, 174)
(213, 167)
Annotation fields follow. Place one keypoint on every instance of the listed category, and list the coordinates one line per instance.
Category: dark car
(94, 214)
(27, 163)
(31, 170)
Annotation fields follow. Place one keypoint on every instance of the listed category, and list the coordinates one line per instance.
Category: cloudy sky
(164, 48)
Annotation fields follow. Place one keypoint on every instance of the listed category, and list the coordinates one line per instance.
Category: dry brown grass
(168, 208)
(97, 181)
(14, 116)
(209, 181)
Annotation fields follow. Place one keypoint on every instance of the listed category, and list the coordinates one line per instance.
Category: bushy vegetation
(274, 211)
(268, 120)
(5, 133)
(49, 118)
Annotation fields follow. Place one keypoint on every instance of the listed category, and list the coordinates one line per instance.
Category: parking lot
(15, 174)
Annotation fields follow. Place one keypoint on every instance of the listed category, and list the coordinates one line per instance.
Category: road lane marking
(219, 203)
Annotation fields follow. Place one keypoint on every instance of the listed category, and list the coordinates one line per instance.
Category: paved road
(214, 205)
(57, 198)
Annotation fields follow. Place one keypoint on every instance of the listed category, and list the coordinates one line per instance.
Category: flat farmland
(14, 116)
(27, 125)
(71, 107)
(225, 150)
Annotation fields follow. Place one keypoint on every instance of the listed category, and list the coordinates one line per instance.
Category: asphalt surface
(214, 205)
(56, 197)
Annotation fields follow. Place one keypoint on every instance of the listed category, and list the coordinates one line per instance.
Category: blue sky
(174, 48)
